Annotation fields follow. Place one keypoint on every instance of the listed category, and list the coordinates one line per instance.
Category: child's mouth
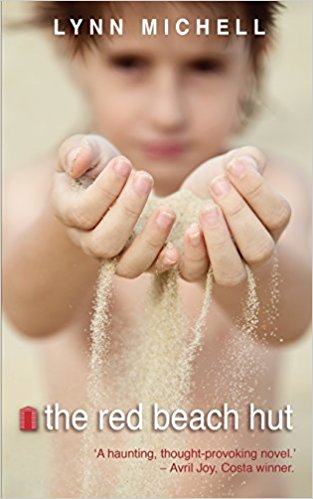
(163, 150)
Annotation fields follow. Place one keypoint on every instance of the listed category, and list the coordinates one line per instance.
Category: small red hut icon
(28, 419)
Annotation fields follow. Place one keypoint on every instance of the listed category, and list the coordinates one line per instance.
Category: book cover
(156, 249)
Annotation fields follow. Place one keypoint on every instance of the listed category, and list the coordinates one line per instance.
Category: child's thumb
(256, 156)
(85, 155)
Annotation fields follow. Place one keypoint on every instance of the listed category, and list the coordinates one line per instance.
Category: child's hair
(266, 11)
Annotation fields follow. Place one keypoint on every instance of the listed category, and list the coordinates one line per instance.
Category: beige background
(41, 106)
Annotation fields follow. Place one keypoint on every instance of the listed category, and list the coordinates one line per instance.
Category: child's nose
(168, 107)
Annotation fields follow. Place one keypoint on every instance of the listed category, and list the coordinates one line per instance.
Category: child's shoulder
(282, 169)
(292, 180)
(289, 177)
(26, 190)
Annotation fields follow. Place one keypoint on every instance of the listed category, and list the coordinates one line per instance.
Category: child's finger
(252, 238)
(167, 259)
(85, 155)
(270, 206)
(146, 247)
(258, 158)
(200, 179)
(227, 265)
(84, 208)
(194, 263)
(111, 234)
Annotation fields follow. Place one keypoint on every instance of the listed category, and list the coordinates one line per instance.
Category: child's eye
(206, 66)
(128, 62)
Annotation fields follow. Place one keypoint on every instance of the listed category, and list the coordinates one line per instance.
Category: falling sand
(162, 361)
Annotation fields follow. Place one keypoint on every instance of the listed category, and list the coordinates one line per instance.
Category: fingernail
(122, 167)
(220, 186)
(73, 155)
(238, 166)
(165, 219)
(143, 183)
(194, 235)
(211, 216)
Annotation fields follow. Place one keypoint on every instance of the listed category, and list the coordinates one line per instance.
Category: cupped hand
(100, 219)
(242, 222)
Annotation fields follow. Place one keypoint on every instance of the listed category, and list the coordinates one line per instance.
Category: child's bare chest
(228, 368)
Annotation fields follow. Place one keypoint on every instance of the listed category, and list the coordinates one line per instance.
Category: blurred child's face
(168, 103)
